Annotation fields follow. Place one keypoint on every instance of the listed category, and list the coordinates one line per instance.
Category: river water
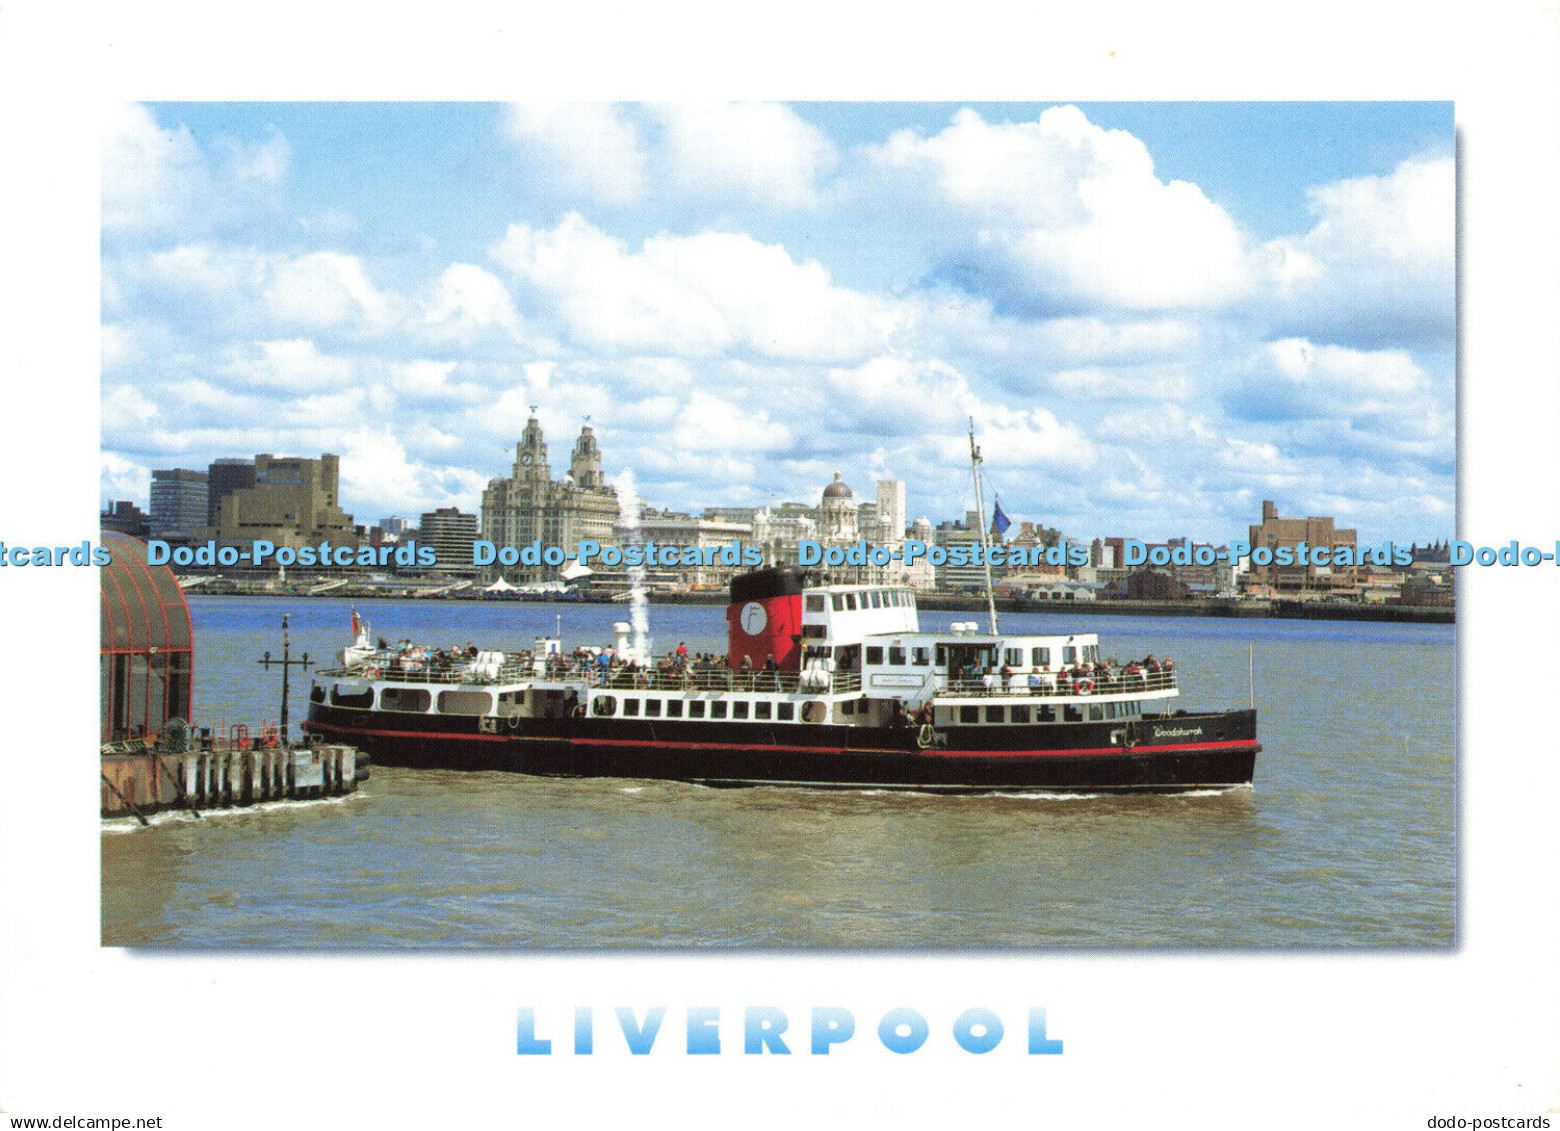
(1347, 837)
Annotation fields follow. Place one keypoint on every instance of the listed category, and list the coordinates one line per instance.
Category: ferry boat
(827, 686)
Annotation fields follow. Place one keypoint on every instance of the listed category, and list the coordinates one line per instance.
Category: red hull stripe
(1091, 750)
(788, 749)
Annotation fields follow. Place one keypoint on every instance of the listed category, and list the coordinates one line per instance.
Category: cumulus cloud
(293, 364)
(688, 157)
(151, 176)
(748, 154)
(1060, 215)
(1378, 266)
(157, 179)
(698, 295)
(586, 150)
(1294, 379)
(324, 288)
(467, 301)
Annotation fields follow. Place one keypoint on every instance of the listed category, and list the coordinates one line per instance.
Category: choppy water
(1346, 839)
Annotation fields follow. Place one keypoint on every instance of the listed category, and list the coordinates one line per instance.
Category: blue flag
(999, 521)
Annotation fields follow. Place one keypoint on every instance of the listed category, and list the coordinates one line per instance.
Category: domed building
(837, 513)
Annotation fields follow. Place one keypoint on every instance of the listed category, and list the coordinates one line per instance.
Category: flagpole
(980, 513)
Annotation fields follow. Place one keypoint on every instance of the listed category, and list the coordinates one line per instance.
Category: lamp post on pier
(286, 663)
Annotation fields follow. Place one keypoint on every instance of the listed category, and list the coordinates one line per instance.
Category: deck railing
(1048, 685)
(626, 678)
(1117, 682)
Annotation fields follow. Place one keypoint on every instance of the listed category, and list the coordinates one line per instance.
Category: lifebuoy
(813, 712)
(925, 736)
(370, 673)
(1084, 686)
(270, 736)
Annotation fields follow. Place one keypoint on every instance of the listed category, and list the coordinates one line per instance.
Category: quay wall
(143, 782)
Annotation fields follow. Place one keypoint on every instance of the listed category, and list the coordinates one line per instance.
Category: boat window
(652, 708)
(1069, 655)
(896, 655)
(631, 706)
(352, 695)
(993, 714)
(1019, 714)
(1047, 714)
(696, 709)
(674, 708)
(814, 631)
(785, 712)
(413, 699)
(815, 602)
(603, 705)
(942, 654)
(877, 599)
(874, 653)
(1013, 657)
(465, 702)
(850, 602)
(920, 657)
(739, 709)
(1095, 714)
(763, 709)
(1042, 657)
(1072, 714)
(718, 709)
(839, 602)
(969, 714)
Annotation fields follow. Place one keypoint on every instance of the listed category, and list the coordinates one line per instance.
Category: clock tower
(531, 455)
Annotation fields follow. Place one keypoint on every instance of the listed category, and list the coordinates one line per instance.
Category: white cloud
(293, 364)
(580, 149)
(696, 295)
(158, 180)
(324, 288)
(151, 176)
(120, 478)
(1379, 264)
(709, 424)
(1060, 215)
(244, 286)
(1295, 379)
(265, 164)
(467, 300)
(743, 154)
(126, 410)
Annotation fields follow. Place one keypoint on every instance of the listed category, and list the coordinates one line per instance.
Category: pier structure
(152, 758)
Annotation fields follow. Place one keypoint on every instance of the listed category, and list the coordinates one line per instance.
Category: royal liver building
(531, 506)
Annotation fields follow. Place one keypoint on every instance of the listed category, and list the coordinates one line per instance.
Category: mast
(980, 510)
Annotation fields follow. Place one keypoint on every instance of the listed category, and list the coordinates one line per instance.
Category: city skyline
(745, 299)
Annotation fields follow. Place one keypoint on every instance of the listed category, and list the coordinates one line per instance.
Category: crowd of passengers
(1100, 678)
(679, 667)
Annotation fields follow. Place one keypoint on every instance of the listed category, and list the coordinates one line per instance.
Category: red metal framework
(147, 643)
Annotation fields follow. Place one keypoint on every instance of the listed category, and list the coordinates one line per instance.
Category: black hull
(1170, 753)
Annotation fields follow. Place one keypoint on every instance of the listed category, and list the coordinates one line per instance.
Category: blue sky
(1158, 314)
